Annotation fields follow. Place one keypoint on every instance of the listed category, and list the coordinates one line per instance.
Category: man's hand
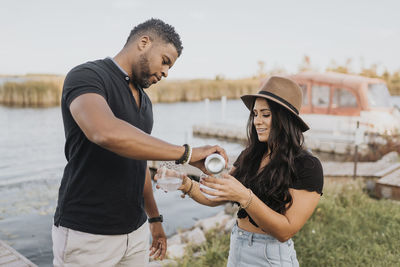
(199, 155)
(159, 245)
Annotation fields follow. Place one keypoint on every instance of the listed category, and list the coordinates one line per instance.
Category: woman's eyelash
(264, 115)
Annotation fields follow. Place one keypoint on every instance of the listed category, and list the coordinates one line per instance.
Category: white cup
(215, 163)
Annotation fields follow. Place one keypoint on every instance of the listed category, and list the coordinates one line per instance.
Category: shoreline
(45, 91)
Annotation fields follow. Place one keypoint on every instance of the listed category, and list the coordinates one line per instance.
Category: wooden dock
(318, 141)
(9, 257)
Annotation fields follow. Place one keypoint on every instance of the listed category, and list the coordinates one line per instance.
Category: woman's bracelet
(248, 201)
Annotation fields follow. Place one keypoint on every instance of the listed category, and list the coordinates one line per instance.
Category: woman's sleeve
(237, 161)
(310, 175)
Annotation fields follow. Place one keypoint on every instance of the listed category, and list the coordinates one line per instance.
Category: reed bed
(41, 91)
(196, 90)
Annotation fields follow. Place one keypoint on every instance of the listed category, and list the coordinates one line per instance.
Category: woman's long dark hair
(285, 143)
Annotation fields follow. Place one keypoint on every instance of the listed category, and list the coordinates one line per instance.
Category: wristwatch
(156, 219)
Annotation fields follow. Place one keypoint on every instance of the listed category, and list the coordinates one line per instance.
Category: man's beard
(144, 77)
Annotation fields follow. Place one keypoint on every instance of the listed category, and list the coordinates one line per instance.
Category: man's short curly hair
(157, 28)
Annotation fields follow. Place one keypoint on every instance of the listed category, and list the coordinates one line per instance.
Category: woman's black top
(309, 177)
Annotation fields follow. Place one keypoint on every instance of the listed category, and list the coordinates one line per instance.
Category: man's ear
(144, 42)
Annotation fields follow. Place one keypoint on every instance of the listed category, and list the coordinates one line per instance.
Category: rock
(175, 240)
(218, 220)
(176, 251)
(198, 254)
(196, 236)
(231, 208)
(229, 225)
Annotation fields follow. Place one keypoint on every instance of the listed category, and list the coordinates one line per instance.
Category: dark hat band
(280, 99)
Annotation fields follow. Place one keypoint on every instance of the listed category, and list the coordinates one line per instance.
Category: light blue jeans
(249, 249)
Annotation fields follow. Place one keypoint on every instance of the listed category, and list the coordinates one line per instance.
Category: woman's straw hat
(282, 91)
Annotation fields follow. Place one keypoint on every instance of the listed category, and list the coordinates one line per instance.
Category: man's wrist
(186, 156)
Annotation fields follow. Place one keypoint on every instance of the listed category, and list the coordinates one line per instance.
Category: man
(106, 190)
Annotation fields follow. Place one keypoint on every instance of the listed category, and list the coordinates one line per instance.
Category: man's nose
(165, 72)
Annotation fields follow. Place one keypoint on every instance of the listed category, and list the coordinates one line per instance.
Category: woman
(276, 183)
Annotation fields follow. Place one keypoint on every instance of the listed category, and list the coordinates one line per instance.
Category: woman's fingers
(210, 179)
(181, 187)
(212, 192)
(228, 176)
(212, 185)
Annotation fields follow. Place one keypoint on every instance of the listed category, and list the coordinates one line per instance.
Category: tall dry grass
(33, 91)
(196, 90)
(45, 90)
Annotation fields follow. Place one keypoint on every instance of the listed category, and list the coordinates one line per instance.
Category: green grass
(212, 253)
(348, 228)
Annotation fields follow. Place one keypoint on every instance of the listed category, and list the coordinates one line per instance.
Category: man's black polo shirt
(102, 192)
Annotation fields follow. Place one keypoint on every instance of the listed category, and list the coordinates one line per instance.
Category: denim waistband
(254, 236)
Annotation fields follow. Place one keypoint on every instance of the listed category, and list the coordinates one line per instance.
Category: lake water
(32, 161)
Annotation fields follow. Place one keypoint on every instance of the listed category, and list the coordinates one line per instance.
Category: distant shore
(33, 90)
(45, 90)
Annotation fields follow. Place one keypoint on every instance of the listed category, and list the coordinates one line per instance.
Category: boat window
(378, 95)
(305, 94)
(320, 96)
(343, 98)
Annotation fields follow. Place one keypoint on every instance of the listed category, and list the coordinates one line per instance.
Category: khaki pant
(74, 248)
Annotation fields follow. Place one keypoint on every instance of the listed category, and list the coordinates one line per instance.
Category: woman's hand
(228, 188)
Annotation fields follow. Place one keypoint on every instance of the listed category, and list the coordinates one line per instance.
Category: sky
(225, 38)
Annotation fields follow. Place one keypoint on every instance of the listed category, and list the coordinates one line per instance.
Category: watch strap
(156, 219)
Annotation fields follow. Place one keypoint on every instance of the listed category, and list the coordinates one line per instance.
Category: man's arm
(159, 244)
(93, 115)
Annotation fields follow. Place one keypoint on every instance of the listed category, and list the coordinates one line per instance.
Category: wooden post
(356, 151)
